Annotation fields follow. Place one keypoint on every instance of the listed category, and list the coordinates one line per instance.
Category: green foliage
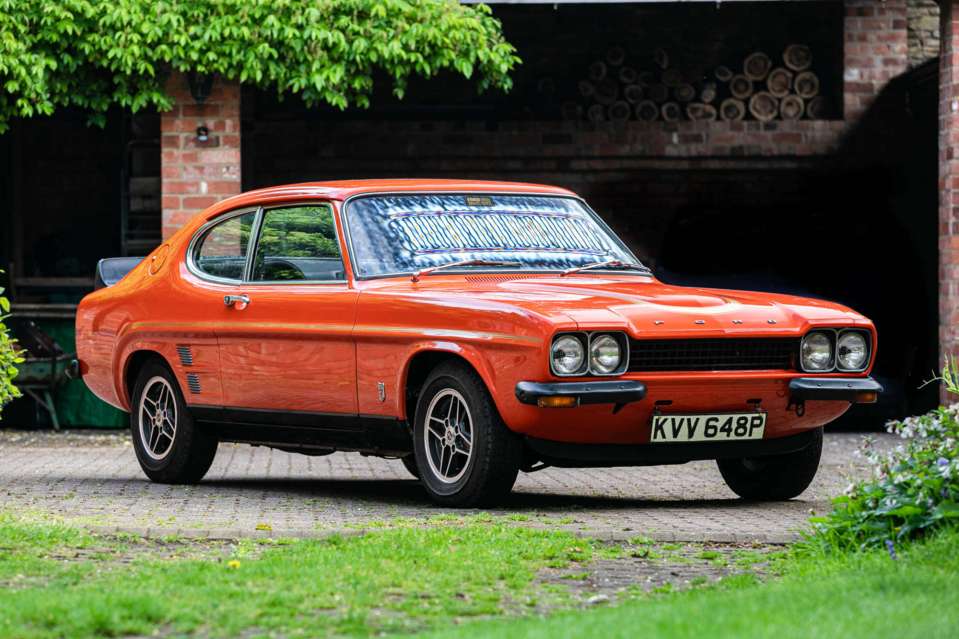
(94, 54)
(305, 231)
(9, 357)
(913, 489)
(949, 377)
(297, 232)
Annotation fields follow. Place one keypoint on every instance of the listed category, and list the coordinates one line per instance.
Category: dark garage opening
(856, 223)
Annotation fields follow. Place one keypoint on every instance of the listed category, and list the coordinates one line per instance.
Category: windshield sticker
(478, 200)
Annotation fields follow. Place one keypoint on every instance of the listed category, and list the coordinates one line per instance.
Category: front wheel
(168, 444)
(465, 454)
(409, 463)
(776, 477)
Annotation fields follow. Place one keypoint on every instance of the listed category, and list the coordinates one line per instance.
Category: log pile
(760, 88)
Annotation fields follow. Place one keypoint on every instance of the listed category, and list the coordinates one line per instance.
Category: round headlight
(817, 352)
(852, 351)
(605, 354)
(568, 355)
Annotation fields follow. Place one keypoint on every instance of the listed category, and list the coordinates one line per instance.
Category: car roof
(343, 189)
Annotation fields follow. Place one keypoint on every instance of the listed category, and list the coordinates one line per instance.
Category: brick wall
(949, 180)
(197, 174)
(876, 50)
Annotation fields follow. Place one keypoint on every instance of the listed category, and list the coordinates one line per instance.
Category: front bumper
(862, 390)
(859, 390)
(600, 392)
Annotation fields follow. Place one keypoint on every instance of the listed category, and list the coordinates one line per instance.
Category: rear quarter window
(222, 250)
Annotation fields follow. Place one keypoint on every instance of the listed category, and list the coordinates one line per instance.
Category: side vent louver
(193, 382)
(186, 355)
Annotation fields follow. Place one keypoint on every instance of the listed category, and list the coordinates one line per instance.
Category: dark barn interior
(853, 223)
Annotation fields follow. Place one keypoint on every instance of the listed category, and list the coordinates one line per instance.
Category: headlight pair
(574, 354)
(846, 350)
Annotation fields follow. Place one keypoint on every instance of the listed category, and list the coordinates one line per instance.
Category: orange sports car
(470, 329)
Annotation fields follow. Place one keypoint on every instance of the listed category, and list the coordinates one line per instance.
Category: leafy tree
(9, 357)
(94, 54)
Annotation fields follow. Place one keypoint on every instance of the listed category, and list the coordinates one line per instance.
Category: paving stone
(95, 481)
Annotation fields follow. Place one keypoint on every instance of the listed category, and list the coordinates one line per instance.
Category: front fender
(473, 356)
(389, 364)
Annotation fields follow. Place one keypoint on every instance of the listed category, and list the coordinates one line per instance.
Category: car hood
(639, 304)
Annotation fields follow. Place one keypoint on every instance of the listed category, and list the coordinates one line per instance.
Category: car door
(286, 352)
(216, 265)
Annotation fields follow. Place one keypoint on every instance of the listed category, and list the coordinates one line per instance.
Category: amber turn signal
(558, 401)
(867, 397)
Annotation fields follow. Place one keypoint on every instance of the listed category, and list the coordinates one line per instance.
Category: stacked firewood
(615, 91)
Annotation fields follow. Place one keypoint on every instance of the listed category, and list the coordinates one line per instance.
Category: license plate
(708, 428)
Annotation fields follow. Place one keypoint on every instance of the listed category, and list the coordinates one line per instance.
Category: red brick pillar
(949, 180)
(196, 174)
(876, 50)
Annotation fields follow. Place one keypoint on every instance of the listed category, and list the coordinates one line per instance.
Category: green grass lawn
(866, 595)
(457, 577)
(58, 582)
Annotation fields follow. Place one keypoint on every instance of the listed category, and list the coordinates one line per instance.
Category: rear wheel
(168, 445)
(465, 455)
(776, 477)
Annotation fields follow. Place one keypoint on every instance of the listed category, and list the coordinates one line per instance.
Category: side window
(298, 244)
(222, 251)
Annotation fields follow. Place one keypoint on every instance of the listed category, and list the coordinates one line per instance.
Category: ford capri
(472, 330)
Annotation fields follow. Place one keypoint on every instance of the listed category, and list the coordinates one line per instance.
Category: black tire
(489, 473)
(409, 462)
(183, 458)
(776, 477)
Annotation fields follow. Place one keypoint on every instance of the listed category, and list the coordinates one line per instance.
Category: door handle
(239, 301)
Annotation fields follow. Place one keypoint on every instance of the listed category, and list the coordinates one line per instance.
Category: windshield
(393, 234)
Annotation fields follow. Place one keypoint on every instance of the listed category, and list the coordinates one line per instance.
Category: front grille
(720, 354)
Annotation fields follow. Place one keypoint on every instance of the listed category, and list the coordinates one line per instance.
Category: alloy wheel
(448, 436)
(158, 418)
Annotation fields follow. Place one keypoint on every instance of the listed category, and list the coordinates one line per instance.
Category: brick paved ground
(94, 480)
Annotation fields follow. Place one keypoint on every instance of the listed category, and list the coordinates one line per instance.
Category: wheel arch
(425, 360)
(132, 366)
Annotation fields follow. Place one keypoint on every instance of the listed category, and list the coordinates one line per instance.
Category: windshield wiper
(431, 269)
(606, 263)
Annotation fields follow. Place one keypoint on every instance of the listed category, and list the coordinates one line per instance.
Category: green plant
(94, 54)
(10, 356)
(949, 377)
(913, 488)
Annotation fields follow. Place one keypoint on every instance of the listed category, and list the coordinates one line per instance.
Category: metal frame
(260, 213)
